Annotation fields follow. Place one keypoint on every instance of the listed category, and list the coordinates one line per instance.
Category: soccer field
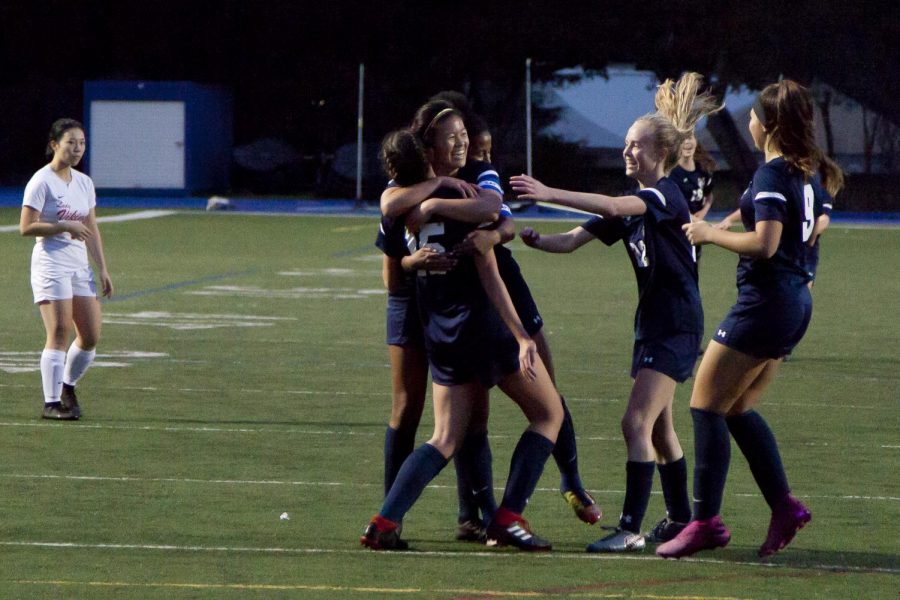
(231, 443)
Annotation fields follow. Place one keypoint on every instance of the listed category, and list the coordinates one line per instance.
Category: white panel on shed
(137, 144)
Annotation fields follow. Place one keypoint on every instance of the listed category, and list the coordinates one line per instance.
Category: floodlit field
(242, 378)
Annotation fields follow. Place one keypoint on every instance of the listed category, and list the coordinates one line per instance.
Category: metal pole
(359, 135)
(528, 116)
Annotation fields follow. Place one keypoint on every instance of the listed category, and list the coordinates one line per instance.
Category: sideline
(142, 214)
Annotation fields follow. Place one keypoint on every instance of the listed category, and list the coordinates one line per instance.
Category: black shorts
(520, 295)
(403, 325)
(673, 355)
(767, 325)
(482, 350)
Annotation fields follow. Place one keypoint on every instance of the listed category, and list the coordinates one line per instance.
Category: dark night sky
(282, 58)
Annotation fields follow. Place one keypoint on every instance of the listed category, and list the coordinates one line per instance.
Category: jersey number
(428, 231)
(809, 216)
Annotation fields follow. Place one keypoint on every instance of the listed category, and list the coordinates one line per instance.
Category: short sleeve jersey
(694, 185)
(56, 201)
(486, 177)
(778, 193)
(663, 260)
(822, 205)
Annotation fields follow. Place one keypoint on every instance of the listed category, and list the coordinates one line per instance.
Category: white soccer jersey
(57, 201)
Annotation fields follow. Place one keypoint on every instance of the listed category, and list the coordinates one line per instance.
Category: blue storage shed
(158, 136)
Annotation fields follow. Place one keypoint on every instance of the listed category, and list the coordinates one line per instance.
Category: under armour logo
(721, 333)
(648, 360)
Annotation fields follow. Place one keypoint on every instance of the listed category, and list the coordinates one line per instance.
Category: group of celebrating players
(459, 307)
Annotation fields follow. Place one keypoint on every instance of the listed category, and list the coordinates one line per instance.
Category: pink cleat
(698, 535)
(788, 517)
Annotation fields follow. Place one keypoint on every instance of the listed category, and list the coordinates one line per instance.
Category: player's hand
(465, 188)
(77, 229)
(527, 358)
(431, 259)
(531, 237)
(698, 232)
(724, 225)
(529, 188)
(106, 284)
(480, 241)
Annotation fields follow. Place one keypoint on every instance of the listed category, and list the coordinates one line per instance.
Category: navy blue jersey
(822, 205)
(694, 185)
(663, 260)
(464, 336)
(778, 192)
(391, 240)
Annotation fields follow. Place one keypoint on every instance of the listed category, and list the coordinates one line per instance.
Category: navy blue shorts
(483, 350)
(403, 325)
(673, 355)
(767, 325)
(520, 295)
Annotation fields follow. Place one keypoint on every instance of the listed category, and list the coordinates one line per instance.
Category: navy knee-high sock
(757, 443)
(712, 452)
(417, 471)
(525, 470)
(675, 490)
(474, 470)
(566, 453)
(638, 483)
(398, 444)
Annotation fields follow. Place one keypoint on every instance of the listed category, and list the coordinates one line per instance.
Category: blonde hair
(678, 109)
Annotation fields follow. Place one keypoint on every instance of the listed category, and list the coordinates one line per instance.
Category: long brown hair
(403, 157)
(787, 116)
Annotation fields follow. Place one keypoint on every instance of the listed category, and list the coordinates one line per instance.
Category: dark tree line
(293, 63)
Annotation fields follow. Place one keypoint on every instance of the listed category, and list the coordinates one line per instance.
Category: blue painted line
(179, 285)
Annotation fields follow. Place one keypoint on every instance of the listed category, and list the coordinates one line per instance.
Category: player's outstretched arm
(761, 243)
(529, 188)
(557, 243)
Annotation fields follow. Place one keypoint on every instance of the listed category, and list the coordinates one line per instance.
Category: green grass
(172, 484)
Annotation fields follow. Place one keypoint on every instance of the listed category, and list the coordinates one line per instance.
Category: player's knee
(635, 427)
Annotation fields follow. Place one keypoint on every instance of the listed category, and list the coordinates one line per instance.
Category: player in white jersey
(58, 210)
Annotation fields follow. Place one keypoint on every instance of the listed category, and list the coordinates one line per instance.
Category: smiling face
(450, 144)
(70, 147)
(642, 161)
(688, 147)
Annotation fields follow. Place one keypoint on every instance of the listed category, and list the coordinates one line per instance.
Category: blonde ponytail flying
(678, 109)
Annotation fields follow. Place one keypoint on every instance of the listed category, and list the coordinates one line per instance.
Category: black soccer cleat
(69, 400)
(55, 411)
(518, 534)
(382, 534)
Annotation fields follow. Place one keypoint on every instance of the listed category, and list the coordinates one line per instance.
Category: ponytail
(786, 111)
(679, 107)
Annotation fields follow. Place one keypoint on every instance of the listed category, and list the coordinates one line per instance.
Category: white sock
(77, 362)
(53, 363)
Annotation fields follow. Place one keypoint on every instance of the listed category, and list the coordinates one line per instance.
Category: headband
(443, 113)
(760, 110)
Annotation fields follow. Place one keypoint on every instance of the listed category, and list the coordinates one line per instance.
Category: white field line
(275, 482)
(386, 392)
(141, 214)
(291, 431)
(501, 555)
